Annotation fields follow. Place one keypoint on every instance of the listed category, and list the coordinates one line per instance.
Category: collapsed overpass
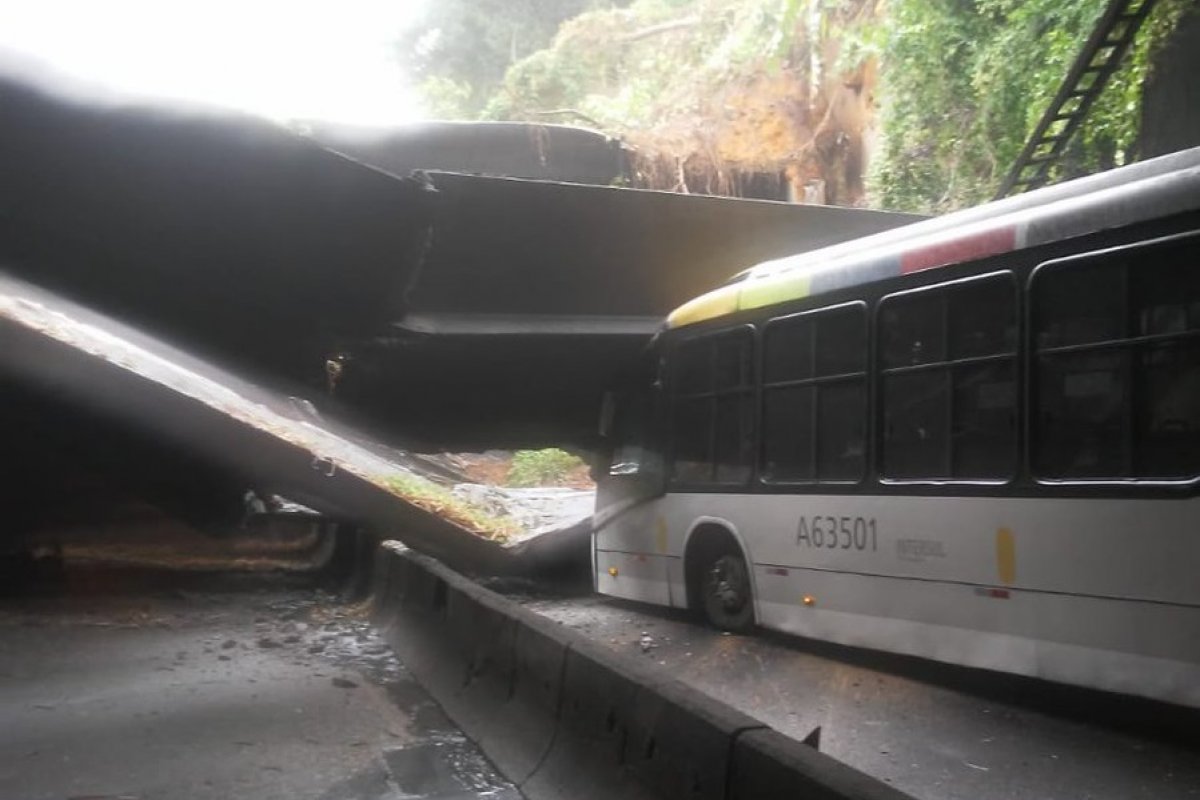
(464, 311)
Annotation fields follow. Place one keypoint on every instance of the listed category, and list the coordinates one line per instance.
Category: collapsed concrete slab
(146, 400)
(461, 311)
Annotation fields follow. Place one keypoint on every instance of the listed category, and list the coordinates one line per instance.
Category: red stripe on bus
(965, 248)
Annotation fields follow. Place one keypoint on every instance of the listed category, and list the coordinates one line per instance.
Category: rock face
(1170, 107)
(801, 132)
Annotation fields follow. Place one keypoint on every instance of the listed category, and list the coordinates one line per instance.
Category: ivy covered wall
(913, 105)
(966, 81)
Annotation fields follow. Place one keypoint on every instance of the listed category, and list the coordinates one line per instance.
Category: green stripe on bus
(777, 289)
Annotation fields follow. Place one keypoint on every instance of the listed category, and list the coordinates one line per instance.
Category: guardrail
(563, 717)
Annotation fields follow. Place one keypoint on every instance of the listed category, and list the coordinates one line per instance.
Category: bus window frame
(1017, 356)
(1127, 344)
(751, 390)
(814, 380)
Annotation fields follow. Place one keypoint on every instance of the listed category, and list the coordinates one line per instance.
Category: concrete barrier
(563, 717)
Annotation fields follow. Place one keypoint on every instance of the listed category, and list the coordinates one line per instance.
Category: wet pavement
(140, 682)
(936, 734)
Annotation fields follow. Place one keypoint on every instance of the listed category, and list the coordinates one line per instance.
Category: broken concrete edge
(56, 346)
(564, 717)
(156, 367)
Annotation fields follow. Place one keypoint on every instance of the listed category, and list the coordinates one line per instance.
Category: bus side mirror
(626, 461)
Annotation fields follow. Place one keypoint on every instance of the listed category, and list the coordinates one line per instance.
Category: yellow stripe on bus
(1006, 556)
(716, 303)
(740, 296)
(772, 290)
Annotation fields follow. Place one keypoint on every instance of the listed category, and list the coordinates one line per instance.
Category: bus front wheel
(728, 602)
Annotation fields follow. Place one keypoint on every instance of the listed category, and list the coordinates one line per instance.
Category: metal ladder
(1099, 59)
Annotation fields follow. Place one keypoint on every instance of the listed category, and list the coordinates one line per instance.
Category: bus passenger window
(985, 420)
(950, 413)
(916, 409)
(732, 442)
(1083, 413)
(1080, 306)
(913, 330)
(788, 350)
(787, 434)
(814, 396)
(690, 441)
(712, 385)
(732, 362)
(693, 368)
(983, 320)
(1117, 338)
(842, 431)
(1168, 421)
(841, 346)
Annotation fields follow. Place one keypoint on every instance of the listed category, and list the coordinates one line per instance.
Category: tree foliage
(966, 82)
(748, 84)
(461, 49)
(549, 467)
(630, 68)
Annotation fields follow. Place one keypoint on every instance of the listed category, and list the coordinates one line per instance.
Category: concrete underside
(468, 311)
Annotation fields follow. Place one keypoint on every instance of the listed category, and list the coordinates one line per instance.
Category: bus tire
(726, 597)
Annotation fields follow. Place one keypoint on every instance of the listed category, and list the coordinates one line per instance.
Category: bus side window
(948, 381)
(1117, 364)
(634, 445)
(1166, 303)
(814, 396)
(712, 408)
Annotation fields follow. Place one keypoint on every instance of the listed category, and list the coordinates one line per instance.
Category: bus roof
(1137, 193)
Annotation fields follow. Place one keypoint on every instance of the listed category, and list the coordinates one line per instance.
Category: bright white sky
(285, 59)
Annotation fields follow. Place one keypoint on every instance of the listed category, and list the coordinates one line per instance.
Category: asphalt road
(148, 683)
(936, 734)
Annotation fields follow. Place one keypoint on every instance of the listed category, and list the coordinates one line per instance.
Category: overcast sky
(285, 59)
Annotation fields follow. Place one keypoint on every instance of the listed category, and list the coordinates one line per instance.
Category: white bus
(974, 439)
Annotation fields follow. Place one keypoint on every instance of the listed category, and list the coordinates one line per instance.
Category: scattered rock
(343, 683)
(268, 643)
(228, 644)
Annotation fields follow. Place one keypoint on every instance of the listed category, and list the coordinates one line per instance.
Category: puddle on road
(437, 760)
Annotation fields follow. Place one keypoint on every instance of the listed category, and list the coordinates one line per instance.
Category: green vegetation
(462, 48)
(759, 85)
(966, 81)
(549, 467)
(438, 500)
(625, 69)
